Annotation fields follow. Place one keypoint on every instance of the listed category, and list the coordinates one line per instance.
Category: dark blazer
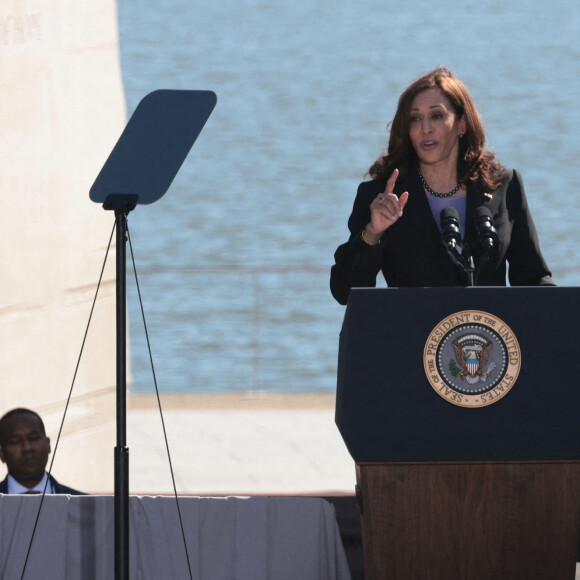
(411, 252)
(58, 488)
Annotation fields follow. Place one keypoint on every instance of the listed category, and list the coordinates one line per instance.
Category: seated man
(24, 448)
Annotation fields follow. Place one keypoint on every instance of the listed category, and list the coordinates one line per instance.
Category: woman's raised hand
(386, 209)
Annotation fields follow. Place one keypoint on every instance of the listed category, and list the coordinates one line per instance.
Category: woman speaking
(437, 165)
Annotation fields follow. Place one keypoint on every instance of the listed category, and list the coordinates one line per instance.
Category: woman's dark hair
(474, 161)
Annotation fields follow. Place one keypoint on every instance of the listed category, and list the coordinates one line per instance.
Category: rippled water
(233, 262)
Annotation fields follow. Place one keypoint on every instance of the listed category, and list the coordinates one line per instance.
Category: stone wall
(62, 109)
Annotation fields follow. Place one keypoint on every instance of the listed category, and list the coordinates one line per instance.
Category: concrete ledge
(235, 401)
(238, 443)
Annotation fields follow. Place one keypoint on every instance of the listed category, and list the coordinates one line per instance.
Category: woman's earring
(461, 135)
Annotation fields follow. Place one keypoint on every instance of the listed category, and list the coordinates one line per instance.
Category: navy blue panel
(387, 411)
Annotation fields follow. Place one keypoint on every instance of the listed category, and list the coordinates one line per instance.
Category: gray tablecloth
(258, 538)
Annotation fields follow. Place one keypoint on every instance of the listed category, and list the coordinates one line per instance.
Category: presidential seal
(472, 359)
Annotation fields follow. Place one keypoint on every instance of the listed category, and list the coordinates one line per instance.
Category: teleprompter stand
(447, 491)
(139, 170)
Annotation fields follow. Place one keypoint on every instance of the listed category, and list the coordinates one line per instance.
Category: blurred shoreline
(254, 400)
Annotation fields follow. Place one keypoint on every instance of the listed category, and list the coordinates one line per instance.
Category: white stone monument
(62, 109)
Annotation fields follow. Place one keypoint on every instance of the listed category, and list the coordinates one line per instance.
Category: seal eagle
(472, 360)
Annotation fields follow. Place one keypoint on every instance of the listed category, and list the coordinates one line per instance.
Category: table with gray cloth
(255, 538)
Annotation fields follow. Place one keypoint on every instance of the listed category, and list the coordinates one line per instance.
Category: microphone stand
(451, 239)
(465, 260)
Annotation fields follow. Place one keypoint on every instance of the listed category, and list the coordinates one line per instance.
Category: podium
(463, 472)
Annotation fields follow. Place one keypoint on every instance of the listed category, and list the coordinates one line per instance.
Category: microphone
(450, 232)
(487, 238)
(451, 238)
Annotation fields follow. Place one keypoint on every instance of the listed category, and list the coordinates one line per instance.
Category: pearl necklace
(435, 193)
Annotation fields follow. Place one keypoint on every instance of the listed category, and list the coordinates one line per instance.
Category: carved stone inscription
(21, 29)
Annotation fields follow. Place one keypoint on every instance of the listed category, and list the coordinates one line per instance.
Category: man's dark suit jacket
(411, 252)
(58, 488)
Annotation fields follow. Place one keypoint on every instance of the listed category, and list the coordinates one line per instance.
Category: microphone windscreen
(447, 213)
(482, 212)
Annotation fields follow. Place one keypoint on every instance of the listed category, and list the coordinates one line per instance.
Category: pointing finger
(391, 182)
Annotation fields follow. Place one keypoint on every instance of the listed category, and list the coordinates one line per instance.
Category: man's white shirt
(15, 488)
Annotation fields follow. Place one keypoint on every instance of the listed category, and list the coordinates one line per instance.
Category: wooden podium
(488, 491)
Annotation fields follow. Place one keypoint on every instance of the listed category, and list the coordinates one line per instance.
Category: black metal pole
(145, 159)
(121, 450)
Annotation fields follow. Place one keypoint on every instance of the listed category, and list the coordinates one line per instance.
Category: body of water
(234, 260)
